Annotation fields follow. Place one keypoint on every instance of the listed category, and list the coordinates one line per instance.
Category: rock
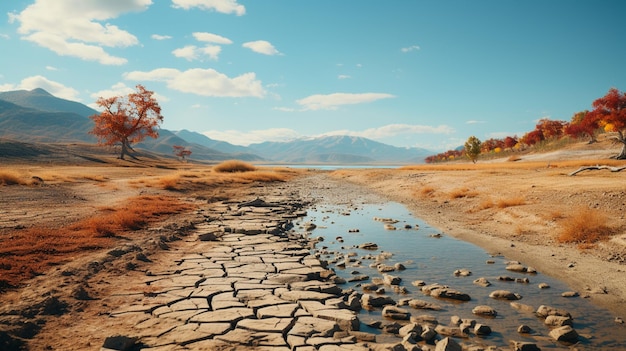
(309, 226)
(448, 293)
(425, 319)
(368, 301)
(524, 329)
(522, 307)
(482, 329)
(119, 343)
(396, 313)
(411, 328)
(428, 333)
(544, 311)
(462, 272)
(382, 268)
(516, 268)
(447, 344)
(557, 321)
(391, 280)
(544, 286)
(504, 295)
(482, 282)
(423, 305)
(484, 310)
(565, 333)
(399, 267)
(524, 346)
(570, 294)
(207, 237)
(368, 246)
(450, 331)
(418, 283)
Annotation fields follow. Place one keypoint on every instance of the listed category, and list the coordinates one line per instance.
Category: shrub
(9, 178)
(233, 166)
(462, 192)
(587, 226)
(514, 201)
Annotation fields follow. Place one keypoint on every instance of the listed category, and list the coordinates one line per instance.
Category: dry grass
(462, 192)
(510, 165)
(232, 166)
(587, 226)
(32, 251)
(8, 177)
(426, 191)
(510, 202)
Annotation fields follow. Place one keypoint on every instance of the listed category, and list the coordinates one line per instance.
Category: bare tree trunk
(620, 138)
(124, 151)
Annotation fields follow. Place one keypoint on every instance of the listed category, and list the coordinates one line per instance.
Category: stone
(558, 321)
(543, 286)
(524, 329)
(450, 331)
(424, 305)
(504, 295)
(368, 246)
(482, 329)
(411, 328)
(368, 301)
(447, 344)
(395, 313)
(565, 333)
(464, 272)
(570, 294)
(448, 293)
(516, 268)
(524, 346)
(391, 279)
(544, 311)
(482, 282)
(119, 343)
(307, 326)
(270, 325)
(484, 310)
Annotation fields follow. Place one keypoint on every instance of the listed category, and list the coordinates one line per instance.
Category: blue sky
(404, 72)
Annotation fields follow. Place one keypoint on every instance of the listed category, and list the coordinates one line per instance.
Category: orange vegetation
(31, 251)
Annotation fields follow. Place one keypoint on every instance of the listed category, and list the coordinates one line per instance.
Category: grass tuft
(510, 202)
(587, 226)
(10, 178)
(233, 166)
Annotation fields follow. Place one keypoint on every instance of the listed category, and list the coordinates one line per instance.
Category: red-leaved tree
(127, 119)
(611, 110)
(181, 152)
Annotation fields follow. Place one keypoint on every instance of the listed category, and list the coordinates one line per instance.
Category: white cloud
(5, 36)
(205, 82)
(211, 38)
(72, 28)
(160, 37)
(262, 47)
(410, 48)
(55, 88)
(120, 89)
(474, 122)
(333, 101)
(393, 130)
(192, 52)
(222, 6)
(255, 136)
(343, 76)
(51, 68)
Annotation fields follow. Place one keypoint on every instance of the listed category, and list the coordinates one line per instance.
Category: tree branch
(598, 167)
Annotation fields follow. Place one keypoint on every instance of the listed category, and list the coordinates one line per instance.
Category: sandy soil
(453, 200)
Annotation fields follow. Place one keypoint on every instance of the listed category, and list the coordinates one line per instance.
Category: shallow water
(434, 260)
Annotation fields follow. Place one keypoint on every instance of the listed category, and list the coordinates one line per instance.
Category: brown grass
(426, 191)
(232, 166)
(11, 178)
(587, 226)
(510, 202)
(509, 165)
(32, 251)
(462, 192)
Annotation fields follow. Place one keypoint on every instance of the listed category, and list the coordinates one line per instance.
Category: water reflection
(433, 259)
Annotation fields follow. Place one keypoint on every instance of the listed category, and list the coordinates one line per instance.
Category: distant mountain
(38, 116)
(40, 99)
(338, 149)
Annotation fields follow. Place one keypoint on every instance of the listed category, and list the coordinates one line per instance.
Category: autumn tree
(472, 148)
(125, 120)
(610, 111)
(181, 152)
(581, 126)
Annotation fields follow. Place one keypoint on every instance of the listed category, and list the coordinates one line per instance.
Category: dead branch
(598, 167)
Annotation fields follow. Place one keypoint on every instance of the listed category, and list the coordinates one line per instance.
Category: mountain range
(38, 116)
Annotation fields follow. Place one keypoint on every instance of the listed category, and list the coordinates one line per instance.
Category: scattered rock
(484, 310)
(482, 282)
(504, 295)
(565, 333)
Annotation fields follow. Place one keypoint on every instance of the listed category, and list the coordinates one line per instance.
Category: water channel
(433, 258)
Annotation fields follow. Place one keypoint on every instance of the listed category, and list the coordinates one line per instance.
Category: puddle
(435, 259)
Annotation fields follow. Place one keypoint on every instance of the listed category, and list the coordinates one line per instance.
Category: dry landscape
(62, 215)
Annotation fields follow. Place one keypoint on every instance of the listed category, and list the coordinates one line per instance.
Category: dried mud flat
(162, 288)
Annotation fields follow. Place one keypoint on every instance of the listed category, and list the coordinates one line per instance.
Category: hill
(338, 149)
(41, 100)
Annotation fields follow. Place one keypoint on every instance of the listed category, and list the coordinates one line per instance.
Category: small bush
(587, 226)
(10, 178)
(233, 166)
(427, 191)
(462, 192)
(514, 201)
